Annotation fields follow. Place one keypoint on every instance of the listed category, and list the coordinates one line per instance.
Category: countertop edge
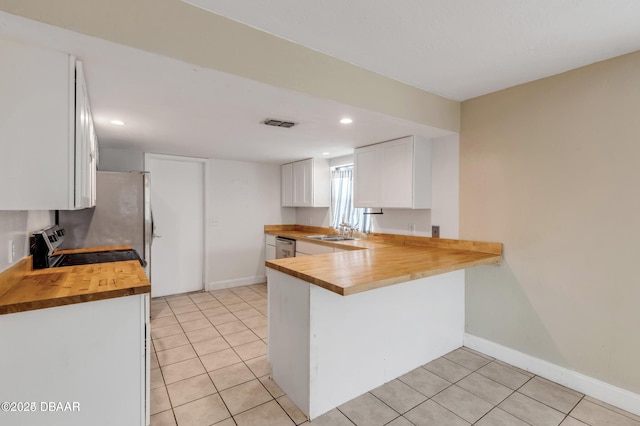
(486, 253)
(71, 300)
(346, 291)
(12, 277)
(381, 239)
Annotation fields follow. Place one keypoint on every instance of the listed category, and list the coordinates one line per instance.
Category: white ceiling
(455, 48)
(458, 49)
(172, 107)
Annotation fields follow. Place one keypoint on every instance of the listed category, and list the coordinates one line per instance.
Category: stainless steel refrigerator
(122, 216)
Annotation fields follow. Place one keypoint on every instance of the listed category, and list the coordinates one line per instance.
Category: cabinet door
(303, 183)
(396, 172)
(312, 248)
(85, 145)
(36, 100)
(93, 165)
(366, 180)
(110, 373)
(286, 190)
(81, 141)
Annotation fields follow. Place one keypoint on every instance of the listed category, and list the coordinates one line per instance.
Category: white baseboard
(237, 282)
(610, 394)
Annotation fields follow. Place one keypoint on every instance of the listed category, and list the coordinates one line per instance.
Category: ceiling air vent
(278, 123)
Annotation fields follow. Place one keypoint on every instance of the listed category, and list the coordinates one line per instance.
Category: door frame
(205, 203)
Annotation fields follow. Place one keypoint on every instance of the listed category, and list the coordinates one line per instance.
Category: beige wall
(552, 170)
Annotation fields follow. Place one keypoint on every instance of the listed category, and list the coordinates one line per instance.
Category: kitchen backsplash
(16, 226)
(398, 221)
(394, 221)
(120, 160)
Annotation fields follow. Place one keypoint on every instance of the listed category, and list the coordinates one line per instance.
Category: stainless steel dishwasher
(285, 247)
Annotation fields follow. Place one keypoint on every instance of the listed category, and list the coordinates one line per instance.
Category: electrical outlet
(412, 228)
(435, 231)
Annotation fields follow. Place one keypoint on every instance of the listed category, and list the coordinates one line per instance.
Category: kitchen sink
(330, 237)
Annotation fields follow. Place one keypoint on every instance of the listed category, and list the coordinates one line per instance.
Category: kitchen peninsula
(341, 324)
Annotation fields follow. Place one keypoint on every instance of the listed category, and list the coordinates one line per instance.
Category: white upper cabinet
(306, 183)
(366, 176)
(48, 148)
(303, 183)
(393, 174)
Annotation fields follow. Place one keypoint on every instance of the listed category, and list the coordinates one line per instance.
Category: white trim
(610, 394)
(236, 282)
(205, 200)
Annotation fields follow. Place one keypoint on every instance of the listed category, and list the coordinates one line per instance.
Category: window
(342, 209)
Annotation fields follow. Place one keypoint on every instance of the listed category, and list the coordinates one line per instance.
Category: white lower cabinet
(77, 365)
(270, 252)
(305, 248)
(270, 247)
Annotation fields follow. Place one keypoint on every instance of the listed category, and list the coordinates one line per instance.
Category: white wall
(313, 216)
(243, 198)
(445, 195)
(120, 160)
(16, 226)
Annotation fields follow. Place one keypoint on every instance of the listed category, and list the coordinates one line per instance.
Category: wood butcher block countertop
(23, 288)
(380, 260)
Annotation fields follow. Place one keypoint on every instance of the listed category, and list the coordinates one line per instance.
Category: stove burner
(97, 257)
(45, 242)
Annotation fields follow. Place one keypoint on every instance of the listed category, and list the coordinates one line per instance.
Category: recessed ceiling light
(326, 153)
(117, 122)
(346, 120)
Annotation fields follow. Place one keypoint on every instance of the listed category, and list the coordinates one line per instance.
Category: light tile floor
(209, 367)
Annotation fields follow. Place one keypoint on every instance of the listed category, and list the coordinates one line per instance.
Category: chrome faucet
(346, 229)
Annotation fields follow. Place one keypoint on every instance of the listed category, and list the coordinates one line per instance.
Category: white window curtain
(342, 209)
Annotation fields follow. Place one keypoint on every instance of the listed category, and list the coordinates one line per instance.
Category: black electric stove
(97, 257)
(45, 242)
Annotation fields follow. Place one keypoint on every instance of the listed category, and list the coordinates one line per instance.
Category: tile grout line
(345, 414)
(198, 356)
(249, 368)
(242, 361)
